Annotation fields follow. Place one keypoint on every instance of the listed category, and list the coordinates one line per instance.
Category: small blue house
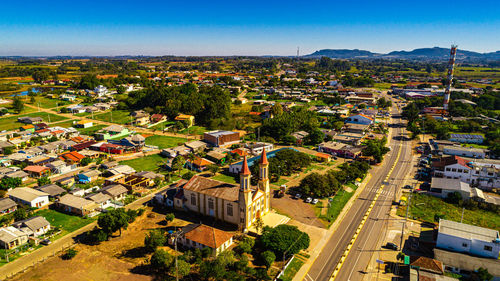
(88, 176)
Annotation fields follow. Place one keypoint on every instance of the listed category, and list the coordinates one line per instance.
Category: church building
(240, 205)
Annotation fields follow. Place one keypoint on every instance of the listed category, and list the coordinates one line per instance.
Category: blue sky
(243, 27)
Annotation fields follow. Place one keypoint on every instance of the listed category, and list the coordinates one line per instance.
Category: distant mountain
(435, 53)
(342, 53)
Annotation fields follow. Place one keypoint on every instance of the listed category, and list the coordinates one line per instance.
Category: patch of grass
(47, 117)
(292, 269)
(91, 130)
(194, 130)
(280, 182)
(10, 122)
(67, 223)
(426, 207)
(50, 103)
(115, 116)
(225, 178)
(65, 124)
(164, 141)
(337, 204)
(147, 163)
(162, 125)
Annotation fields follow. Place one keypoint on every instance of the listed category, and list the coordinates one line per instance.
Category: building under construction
(451, 65)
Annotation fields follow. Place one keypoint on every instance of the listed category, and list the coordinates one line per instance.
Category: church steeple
(245, 176)
(264, 180)
(263, 166)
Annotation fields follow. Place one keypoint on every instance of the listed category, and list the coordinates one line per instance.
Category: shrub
(70, 253)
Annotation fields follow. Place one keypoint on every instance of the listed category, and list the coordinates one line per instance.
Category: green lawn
(50, 103)
(336, 206)
(164, 141)
(225, 178)
(91, 130)
(10, 122)
(65, 124)
(67, 223)
(162, 125)
(47, 117)
(426, 207)
(148, 163)
(194, 130)
(292, 269)
(115, 116)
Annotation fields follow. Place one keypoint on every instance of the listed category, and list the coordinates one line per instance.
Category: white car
(298, 195)
(315, 201)
(308, 200)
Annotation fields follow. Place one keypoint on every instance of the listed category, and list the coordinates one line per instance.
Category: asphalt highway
(358, 258)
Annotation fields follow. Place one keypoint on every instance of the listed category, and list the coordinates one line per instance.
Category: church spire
(263, 157)
(244, 169)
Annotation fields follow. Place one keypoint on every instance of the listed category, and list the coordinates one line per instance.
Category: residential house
(257, 148)
(28, 128)
(221, 138)
(216, 157)
(442, 187)
(7, 206)
(66, 181)
(117, 192)
(141, 118)
(84, 124)
(73, 204)
(18, 174)
(37, 171)
(202, 236)
(5, 145)
(356, 128)
(30, 120)
(53, 190)
(112, 131)
(122, 169)
(359, 119)
(199, 164)
(300, 136)
(29, 197)
(88, 176)
(101, 199)
(196, 146)
(470, 239)
(38, 226)
(155, 118)
(11, 237)
(187, 119)
(71, 157)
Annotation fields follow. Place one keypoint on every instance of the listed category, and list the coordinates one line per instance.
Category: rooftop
(467, 231)
(206, 235)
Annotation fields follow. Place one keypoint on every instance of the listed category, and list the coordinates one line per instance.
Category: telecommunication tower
(451, 65)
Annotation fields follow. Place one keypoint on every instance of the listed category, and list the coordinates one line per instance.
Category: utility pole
(462, 219)
(404, 223)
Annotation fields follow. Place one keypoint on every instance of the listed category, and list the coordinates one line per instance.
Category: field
(426, 208)
(49, 103)
(92, 130)
(164, 141)
(115, 116)
(148, 163)
(336, 205)
(194, 130)
(292, 269)
(65, 124)
(10, 122)
(67, 223)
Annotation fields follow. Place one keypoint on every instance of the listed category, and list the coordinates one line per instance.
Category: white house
(29, 196)
(35, 226)
(470, 239)
(101, 90)
(201, 236)
(359, 119)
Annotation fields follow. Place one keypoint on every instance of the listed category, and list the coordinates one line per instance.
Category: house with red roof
(71, 157)
(453, 167)
(202, 236)
(37, 171)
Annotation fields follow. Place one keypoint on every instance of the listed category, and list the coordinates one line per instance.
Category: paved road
(359, 256)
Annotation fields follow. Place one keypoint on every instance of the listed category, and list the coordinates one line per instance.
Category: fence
(34, 261)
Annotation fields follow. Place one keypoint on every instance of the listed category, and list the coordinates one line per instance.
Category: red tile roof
(36, 169)
(208, 236)
(73, 156)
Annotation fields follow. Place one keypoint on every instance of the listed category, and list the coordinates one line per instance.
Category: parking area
(297, 209)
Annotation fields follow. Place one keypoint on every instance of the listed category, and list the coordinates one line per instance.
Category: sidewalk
(40, 255)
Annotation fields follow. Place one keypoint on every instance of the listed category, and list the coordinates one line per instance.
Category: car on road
(315, 201)
(298, 195)
(335, 158)
(45, 242)
(308, 200)
(391, 246)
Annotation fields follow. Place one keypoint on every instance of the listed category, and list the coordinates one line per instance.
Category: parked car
(45, 242)
(298, 195)
(315, 201)
(308, 200)
(407, 186)
(391, 246)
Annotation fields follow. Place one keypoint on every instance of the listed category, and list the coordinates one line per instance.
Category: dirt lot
(296, 209)
(117, 259)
